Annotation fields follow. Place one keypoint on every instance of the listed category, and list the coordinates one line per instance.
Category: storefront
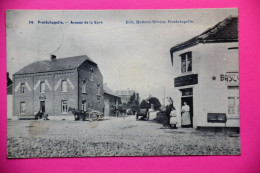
(206, 76)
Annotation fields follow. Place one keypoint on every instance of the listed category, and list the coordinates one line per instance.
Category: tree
(133, 102)
(156, 103)
(145, 105)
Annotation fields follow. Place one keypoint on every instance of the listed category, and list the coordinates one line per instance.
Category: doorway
(189, 101)
(42, 106)
(107, 107)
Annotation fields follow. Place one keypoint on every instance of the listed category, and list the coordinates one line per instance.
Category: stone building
(206, 76)
(55, 85)
(111, 99)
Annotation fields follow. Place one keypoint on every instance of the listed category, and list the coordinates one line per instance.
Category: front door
(189, 101)
(42, 106)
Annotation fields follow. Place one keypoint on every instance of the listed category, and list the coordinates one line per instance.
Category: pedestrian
(185, 118)
(38, 115)
(173, 118)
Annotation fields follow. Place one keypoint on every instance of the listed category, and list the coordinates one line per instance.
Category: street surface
(113, 136)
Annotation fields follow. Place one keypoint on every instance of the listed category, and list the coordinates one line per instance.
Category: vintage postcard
(122, 83)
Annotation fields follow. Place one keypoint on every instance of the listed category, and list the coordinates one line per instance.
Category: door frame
(183, 98)
(42, 104)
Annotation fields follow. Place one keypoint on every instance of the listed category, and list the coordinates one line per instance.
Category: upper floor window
(22, 88)
(186, 62)
(64, 86)
(42, 87)
(91, 75)
(98, 93)
(84, 86)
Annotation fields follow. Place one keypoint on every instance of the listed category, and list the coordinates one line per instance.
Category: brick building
(55, 85)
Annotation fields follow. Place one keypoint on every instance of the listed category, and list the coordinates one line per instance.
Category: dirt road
(113, 136)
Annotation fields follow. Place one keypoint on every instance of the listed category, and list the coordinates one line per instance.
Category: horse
(78, 114)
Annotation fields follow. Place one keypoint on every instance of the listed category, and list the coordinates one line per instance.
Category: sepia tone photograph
(122, 83)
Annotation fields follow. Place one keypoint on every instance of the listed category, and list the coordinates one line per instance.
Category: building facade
(206, 75)
(125, 95)
(54, 85)
(110, 100)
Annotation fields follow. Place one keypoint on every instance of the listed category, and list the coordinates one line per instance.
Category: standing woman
(173, 118)
(185, 118)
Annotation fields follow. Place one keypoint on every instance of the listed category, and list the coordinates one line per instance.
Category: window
(64, 86)
(84, 86)
(186, 62)
(22, 88)
(186, 92)
(64, 107)
(98, 98)
(92, 75)
(22, 107)
(98, 89)
(84, 105)
(98, 93)
(42, 87)
(233, 105)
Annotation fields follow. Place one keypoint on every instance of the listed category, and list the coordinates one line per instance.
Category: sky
(130, 56)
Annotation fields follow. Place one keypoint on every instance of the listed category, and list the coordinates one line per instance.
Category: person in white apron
(173, 118)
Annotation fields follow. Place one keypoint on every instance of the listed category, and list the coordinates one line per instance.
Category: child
(173, 118)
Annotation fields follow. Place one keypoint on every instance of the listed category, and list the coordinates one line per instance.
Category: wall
(26, 97)
(111, 100)
(52, 96)
(91, 86)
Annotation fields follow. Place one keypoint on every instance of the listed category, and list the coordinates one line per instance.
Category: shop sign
(186, 80)
(230, 77)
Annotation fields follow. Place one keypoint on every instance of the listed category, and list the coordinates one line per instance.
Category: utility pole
(163, 96)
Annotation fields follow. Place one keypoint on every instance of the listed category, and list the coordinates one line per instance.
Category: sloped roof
(224, 31)
(109, 91)
(54, 65)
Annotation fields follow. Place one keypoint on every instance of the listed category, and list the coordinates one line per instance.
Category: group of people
(185, 115)
(41, 115)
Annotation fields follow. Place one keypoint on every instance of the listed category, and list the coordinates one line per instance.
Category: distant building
(125, 95)
(111, 99)
(206, 74)
(55, 85)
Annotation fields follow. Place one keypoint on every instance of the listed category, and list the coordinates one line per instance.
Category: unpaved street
(113, 136)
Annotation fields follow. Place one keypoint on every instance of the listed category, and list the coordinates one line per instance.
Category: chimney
(53, 57)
